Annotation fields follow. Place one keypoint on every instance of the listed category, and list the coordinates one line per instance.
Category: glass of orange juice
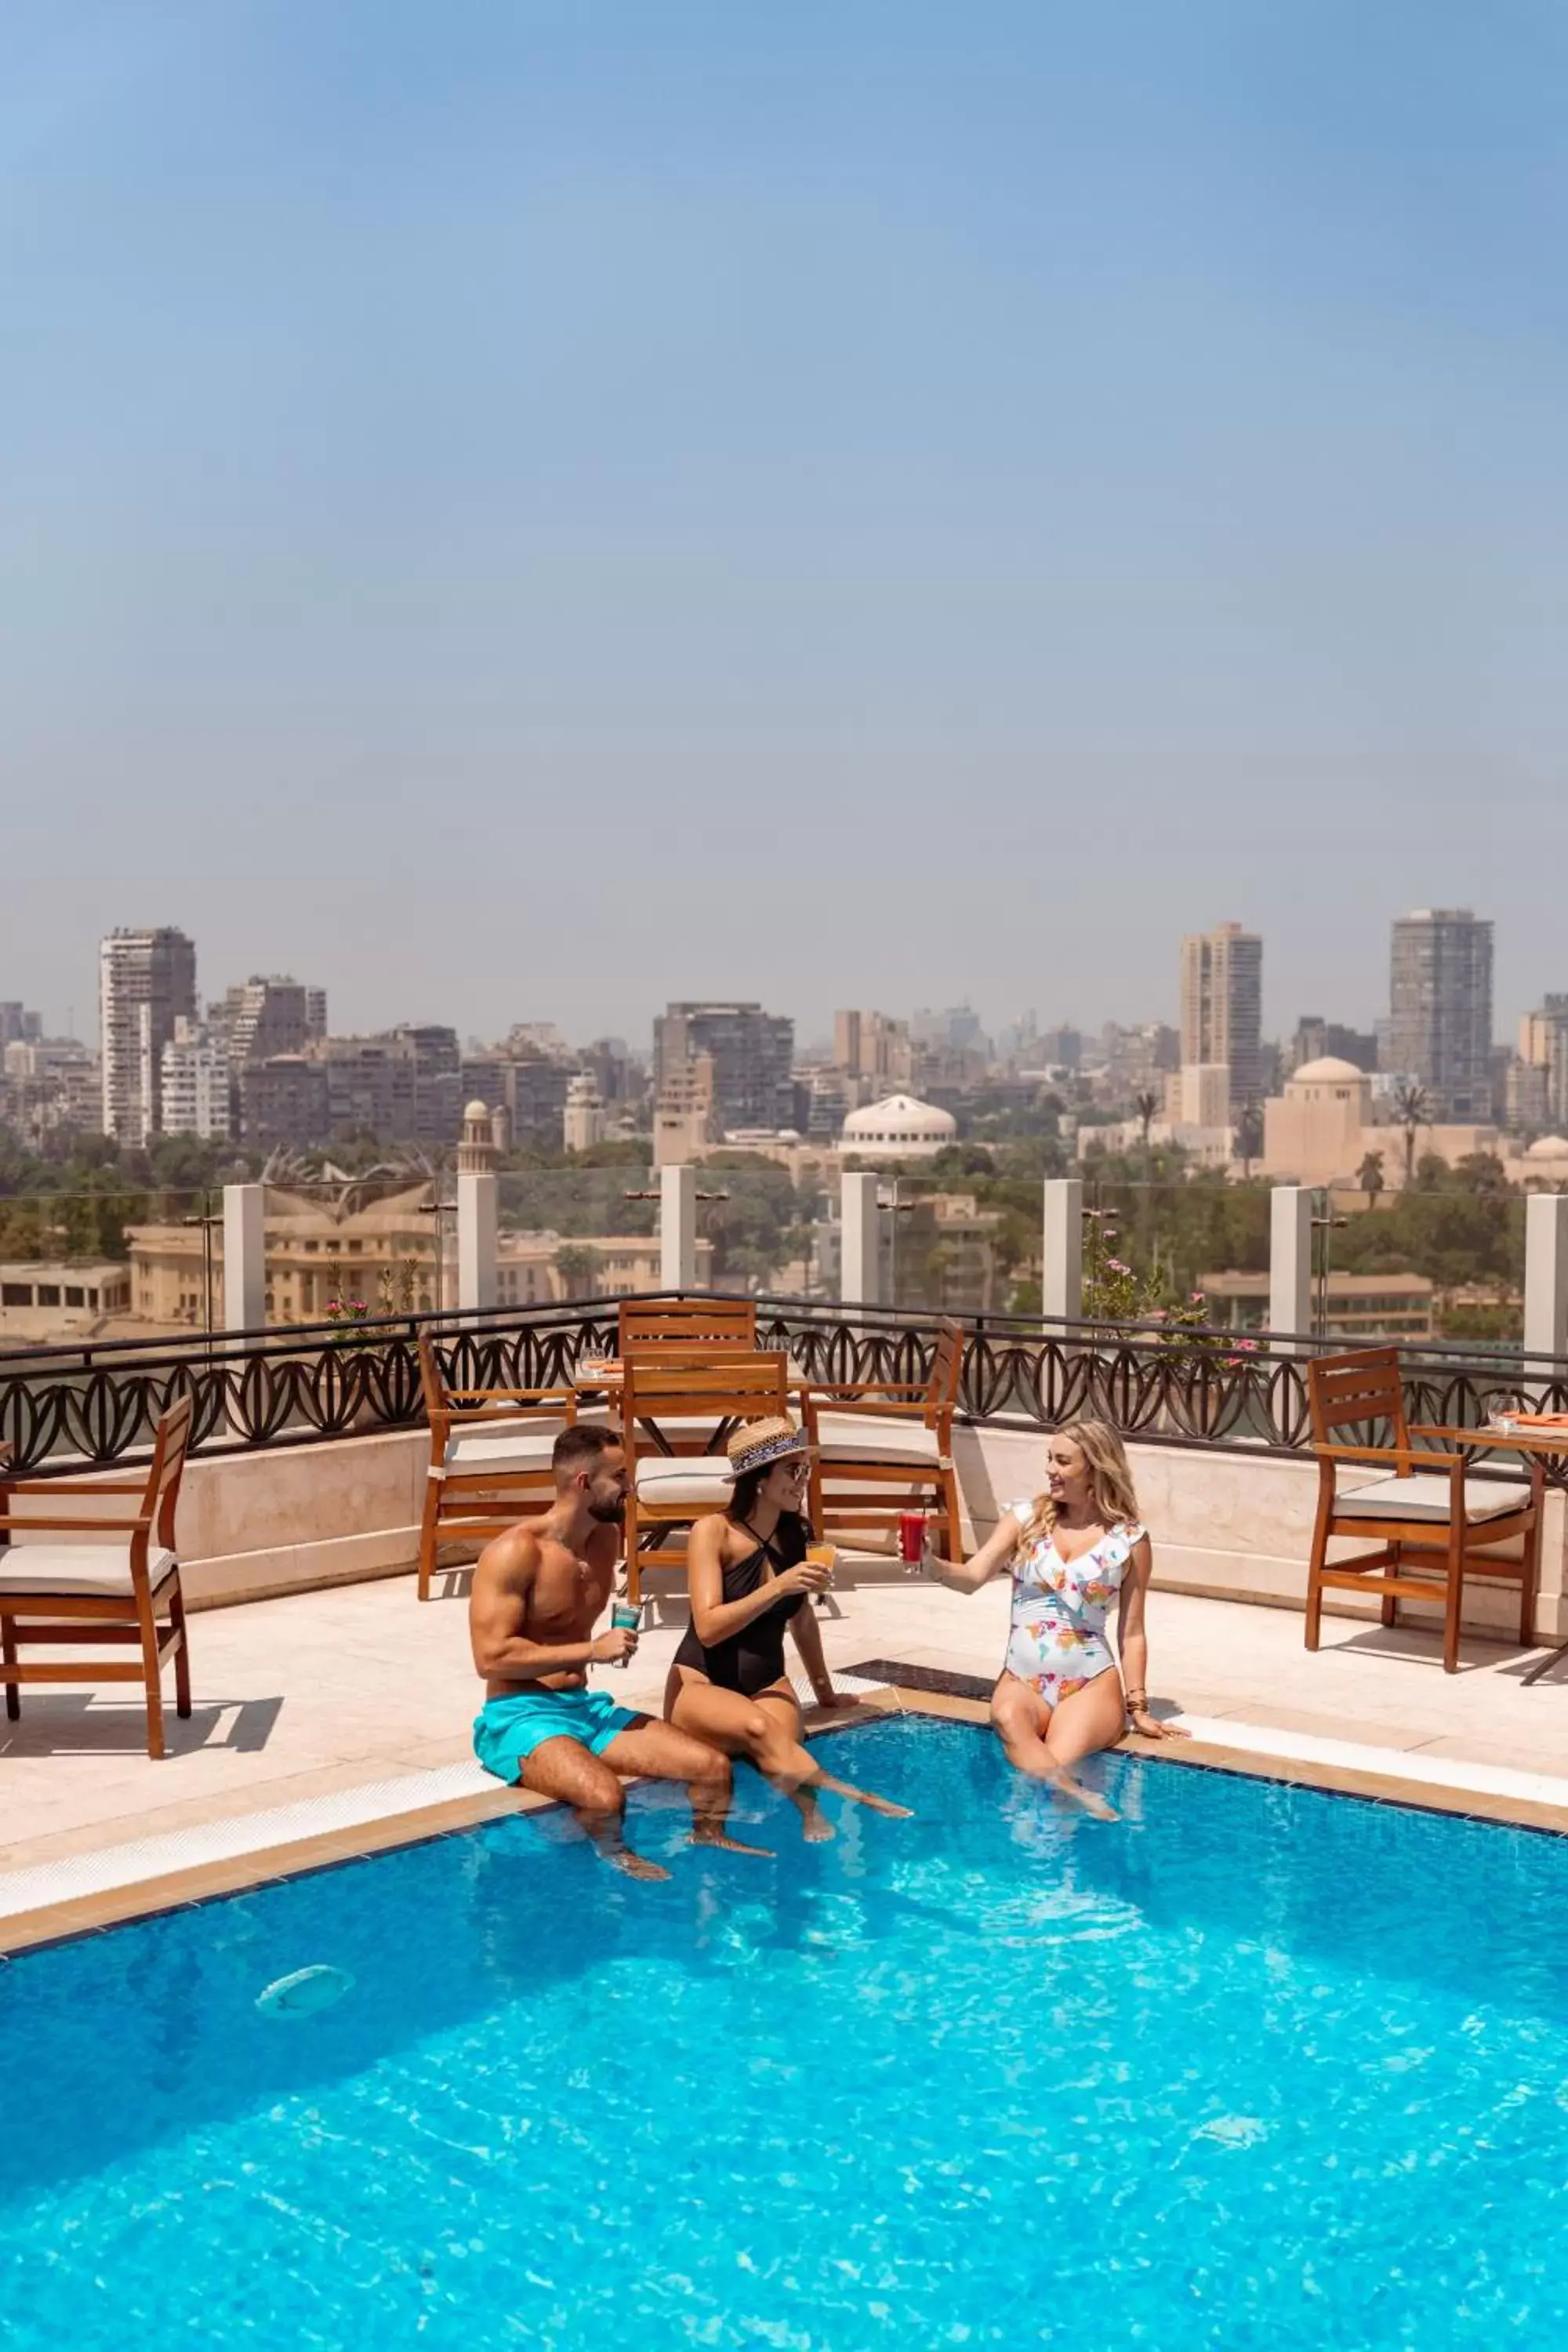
(823, 1555)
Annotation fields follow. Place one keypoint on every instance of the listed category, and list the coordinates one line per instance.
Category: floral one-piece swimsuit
(1058, 1639)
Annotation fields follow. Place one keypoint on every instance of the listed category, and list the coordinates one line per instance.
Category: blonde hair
(1111, 1492)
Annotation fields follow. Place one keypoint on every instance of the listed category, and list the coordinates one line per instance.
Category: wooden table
(605, 1376)
(1548, 1443)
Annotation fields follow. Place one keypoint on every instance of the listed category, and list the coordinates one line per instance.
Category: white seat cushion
(94, 1572)
(867, 1437)
(518, 1447)
(1426, 1494)
(702, 1480)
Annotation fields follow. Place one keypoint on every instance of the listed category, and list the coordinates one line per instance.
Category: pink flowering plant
(345, 1310)
(1115, 1293)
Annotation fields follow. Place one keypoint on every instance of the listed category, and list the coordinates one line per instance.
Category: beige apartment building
(383, 1252)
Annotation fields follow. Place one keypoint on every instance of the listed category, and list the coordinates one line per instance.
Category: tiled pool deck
(355, 1705)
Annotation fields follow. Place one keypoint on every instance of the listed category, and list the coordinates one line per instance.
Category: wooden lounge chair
(489, 1457)
(668, 1489)
(116, 1584)
(884, 1447)
(1430, 1523)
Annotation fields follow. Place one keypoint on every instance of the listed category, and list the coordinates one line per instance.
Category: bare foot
(815, 1826)
(864, 1797)
(883, 1805)
(1087, 1800)
(634, 1865)
(725, 1843)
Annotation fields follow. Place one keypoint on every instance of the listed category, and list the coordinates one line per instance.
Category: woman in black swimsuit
(749, 1577)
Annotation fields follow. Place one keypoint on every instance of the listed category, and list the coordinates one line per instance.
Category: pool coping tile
(924, 1695)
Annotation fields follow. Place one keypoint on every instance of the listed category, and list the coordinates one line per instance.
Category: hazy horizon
(520, 512)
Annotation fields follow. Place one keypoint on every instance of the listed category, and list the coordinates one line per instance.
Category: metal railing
(69, 1406)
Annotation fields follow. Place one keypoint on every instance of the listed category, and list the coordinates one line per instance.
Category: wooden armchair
(489, 1457)
(668, 1489)
(689, 1330)
(884, 1447)
(1431, 1525)
(122, 1590)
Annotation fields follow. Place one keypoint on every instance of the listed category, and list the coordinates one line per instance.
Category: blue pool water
(1255, 2066)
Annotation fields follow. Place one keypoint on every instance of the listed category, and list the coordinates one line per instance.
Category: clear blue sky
(518, 509)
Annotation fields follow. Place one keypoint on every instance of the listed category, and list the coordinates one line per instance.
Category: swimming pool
(1256, 2065)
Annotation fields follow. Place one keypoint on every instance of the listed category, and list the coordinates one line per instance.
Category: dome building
(898, 1127)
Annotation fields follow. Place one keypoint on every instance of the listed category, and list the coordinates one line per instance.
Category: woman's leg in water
(766, 1730)
(1046, 1743)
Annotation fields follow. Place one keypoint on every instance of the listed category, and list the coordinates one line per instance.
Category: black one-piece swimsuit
(753, 1659)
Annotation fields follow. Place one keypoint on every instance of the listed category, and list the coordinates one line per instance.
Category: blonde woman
(1072, 1551)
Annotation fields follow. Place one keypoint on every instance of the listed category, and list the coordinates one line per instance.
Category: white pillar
(1061, 1263)
(1546, 1275)
(1290, 1259)
(244, 1256)
(861, 1252)
(476, 1241)
(678, 1228)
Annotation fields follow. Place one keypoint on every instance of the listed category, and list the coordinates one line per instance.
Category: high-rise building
(684, 1123)
(194, 1084)
(875, 1053)
(582, 1120)
(1537, 1085)
(404, 1085)
(1440, 1010)
(753, 1054)
(285, 1100)
(147, 981)
(1318, 1040)
(18, 1026)
(1221, 1007)
(263, 1017)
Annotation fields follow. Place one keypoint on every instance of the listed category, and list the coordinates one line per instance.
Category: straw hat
(757, 1442)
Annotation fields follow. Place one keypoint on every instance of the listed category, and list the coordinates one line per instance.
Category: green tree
(1369, 1175)
(575, 1268)
(1413, 1110)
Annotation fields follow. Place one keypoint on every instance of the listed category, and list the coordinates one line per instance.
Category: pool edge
(64, 1921)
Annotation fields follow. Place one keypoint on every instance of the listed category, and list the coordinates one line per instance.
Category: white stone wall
(1230, 1526)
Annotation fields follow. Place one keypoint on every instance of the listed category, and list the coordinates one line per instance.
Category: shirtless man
(538, 1592)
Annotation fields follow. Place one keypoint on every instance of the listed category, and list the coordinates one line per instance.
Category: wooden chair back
(690, 1386)
(167, 1469)
(688, 1323)
(946, 1371)
(1362, 1390)
(432, 1387)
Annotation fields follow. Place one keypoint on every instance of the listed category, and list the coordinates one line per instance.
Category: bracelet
(1137, 1702)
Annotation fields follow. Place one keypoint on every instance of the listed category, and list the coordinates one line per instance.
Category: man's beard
(610, 1515)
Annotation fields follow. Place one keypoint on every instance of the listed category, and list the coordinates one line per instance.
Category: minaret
(476, 1150)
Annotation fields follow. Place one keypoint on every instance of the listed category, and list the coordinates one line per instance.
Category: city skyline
(1111, 464)
(1179, 1008)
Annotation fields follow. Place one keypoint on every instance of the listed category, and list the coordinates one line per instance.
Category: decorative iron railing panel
(63, 1407)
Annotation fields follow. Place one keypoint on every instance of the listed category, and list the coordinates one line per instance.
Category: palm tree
(1250, 1135)
(1413, 1109)
(1369, 1176)
(1145, 1104)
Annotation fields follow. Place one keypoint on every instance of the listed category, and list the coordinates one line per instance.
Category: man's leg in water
(657, 1752)
(562, 1769)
